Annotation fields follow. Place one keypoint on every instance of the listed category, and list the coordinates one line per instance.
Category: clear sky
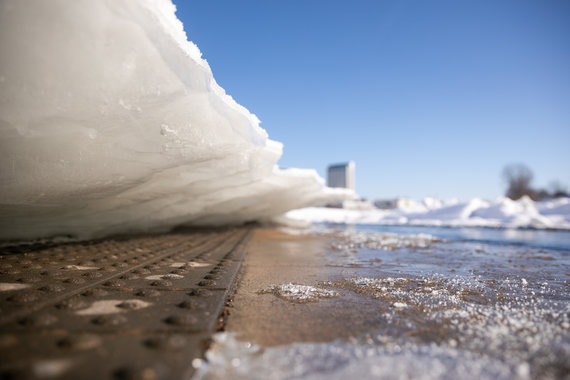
(429, 98)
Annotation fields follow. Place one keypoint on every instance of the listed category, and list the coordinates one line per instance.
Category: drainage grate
(127, 309)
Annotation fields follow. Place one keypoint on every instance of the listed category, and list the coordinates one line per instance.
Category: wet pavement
(124, 308)
(283, 276)
(346, 303)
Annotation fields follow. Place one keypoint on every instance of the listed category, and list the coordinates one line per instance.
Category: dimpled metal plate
(129, 308)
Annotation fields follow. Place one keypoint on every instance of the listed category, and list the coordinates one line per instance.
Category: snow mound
(502, 213)
(110, 121)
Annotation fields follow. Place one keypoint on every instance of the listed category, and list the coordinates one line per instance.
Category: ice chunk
(110, 121)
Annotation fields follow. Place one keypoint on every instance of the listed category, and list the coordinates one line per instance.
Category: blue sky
(429, 98)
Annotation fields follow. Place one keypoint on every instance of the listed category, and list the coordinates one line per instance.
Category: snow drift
(110, 121)
(502, 213)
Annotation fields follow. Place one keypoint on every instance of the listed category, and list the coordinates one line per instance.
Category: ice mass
(112, 122)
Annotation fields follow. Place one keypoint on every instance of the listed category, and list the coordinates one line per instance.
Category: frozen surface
(111, 121)
(230, 358)
(503, 212)
(353, 240)
(300, 293)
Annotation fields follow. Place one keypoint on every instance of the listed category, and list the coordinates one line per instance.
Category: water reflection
(551, 239)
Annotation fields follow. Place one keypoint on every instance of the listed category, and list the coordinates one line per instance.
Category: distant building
(341, 175)
(401, 203)
(386, 204)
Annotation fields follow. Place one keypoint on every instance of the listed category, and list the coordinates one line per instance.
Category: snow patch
(503, 212)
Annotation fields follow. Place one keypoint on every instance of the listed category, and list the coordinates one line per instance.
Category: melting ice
(352, 240)
(230, 358)
(111, 121)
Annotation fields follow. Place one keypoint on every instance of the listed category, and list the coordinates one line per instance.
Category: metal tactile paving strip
(61, 278)
(169, 291)
(104, 356)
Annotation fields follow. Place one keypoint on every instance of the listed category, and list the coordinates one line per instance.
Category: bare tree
(557, 189)
(518, 178)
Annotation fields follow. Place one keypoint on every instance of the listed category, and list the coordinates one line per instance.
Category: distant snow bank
(110, 121)
(503, 213)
